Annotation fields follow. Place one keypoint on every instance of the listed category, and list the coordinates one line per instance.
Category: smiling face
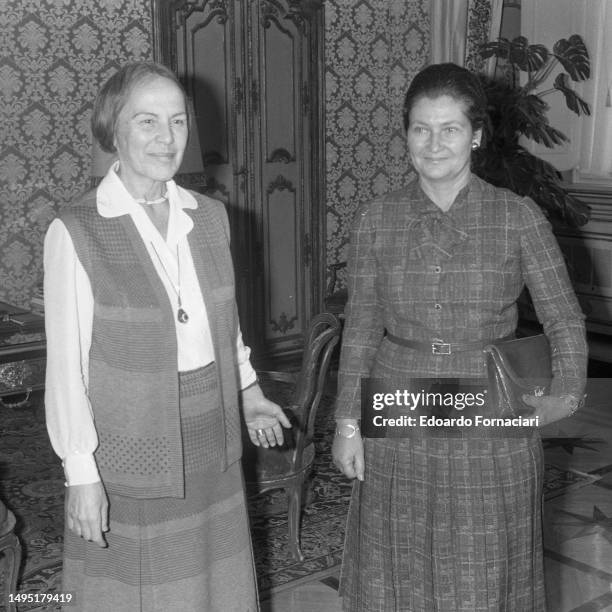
(439, 139)
(150, 136)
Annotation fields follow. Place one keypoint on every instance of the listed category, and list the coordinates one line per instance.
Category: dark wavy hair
(114, 94)
(450, 80)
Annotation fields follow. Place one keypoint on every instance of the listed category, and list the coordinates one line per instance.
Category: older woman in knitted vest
(146, 367)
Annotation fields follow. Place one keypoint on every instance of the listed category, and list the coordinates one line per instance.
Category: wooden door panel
(253, 69)
(285, 271)
(279, 73)
(208, 56)
(209, 60)
(280, 56)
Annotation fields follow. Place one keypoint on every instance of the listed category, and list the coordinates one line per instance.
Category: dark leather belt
(443, 348)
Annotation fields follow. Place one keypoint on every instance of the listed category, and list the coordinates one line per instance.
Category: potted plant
(517, 109)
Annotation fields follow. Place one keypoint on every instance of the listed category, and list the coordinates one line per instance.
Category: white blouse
(69, 316)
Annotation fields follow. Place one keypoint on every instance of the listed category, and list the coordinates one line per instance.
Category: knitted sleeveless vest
(133, 369)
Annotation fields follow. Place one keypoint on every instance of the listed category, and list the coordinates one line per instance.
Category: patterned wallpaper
(54, 55)
(373, 48)
(479, 24)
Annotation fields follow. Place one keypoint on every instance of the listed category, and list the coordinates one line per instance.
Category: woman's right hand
(347, 455)
(87, 512)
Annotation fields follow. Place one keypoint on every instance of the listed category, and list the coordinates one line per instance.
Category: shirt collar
(114, 200)
(426, 206)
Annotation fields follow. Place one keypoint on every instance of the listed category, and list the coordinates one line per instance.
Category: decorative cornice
(214, 186)
(281, 155)
(218, 9)
(280, 183)
(297, 11)
(284, 323)
(599, 198)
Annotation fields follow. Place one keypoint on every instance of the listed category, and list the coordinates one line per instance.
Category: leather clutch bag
(517, 367)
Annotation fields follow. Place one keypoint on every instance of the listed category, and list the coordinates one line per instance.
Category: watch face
(353, 429)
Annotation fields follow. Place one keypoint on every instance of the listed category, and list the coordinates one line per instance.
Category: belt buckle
(440, 348)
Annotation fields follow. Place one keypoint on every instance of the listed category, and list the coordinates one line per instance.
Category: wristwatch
(351, 434)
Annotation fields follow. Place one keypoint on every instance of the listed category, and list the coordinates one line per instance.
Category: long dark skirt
(168, 554)
(446, 525)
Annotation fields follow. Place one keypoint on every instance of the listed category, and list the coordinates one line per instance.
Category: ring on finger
(260, 433)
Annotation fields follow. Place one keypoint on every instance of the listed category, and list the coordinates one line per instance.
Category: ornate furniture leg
(294, 513)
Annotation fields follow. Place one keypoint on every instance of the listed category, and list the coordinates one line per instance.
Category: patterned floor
(578, 524)
(31, 483)
(578, 517)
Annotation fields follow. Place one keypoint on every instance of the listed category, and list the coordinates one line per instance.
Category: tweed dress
(449, 520)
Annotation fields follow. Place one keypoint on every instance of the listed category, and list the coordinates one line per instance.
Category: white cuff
(80, 468)
(248, 380)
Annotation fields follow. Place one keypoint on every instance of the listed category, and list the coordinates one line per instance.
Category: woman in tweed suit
(145, 370)
(448, 520)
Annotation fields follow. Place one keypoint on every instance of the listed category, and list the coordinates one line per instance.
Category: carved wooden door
(253, 71)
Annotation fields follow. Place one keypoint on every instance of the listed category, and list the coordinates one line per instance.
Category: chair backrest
(323, 335)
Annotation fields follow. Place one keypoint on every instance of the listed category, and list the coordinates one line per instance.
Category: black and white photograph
(306, 305)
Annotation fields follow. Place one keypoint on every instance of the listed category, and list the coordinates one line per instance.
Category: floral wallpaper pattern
(479, 23)
(372, 48)
(54, 55)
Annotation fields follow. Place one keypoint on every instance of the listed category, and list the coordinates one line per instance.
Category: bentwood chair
(10, 554)
(335, 299)
(286, 467)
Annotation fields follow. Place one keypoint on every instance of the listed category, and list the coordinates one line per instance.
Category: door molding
(242, 180)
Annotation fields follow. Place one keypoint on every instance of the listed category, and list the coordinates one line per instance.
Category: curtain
(596, 136)
(459, 27)
(449, 31)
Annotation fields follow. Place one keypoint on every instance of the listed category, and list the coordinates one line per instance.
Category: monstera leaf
(526, 57)
(520, 110)
(529, 58)
(499, 48)
(574, 57)
(530, 120)
(574, 102)
(528, 175)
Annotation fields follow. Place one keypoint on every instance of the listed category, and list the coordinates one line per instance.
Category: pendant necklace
(181, 314)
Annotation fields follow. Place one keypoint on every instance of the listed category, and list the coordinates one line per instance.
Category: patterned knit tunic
(169, 442)
(133, 356)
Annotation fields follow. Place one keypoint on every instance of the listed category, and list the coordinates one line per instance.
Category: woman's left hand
(550, 408)
(263, 418)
